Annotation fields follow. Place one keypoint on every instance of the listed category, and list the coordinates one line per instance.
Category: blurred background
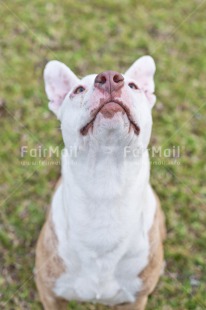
(90, 37)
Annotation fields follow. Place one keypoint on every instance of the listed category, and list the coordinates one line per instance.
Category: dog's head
(109, 108)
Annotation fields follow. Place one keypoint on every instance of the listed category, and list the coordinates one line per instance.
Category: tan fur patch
(150, 275)
(49, 265)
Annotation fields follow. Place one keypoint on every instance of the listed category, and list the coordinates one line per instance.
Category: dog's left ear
(142, 71)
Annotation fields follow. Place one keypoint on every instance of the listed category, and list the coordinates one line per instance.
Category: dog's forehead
(89, 79)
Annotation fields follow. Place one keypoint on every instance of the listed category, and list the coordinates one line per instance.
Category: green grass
(92, 36)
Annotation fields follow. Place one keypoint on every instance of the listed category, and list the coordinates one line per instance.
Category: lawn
(92, 36)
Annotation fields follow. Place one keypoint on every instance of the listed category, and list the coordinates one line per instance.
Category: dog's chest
(102, 265)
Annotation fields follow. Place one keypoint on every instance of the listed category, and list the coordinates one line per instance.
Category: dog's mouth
(108, 109)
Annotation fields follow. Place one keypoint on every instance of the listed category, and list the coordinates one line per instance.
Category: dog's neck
(105, 176)
(109, 195)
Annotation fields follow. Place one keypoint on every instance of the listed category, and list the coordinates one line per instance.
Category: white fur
(104, 208)
(104, 241)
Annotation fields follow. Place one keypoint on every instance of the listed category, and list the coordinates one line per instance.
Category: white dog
(102, 240)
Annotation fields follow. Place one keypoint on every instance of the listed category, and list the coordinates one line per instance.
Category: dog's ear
(143, 71)
(59, 79)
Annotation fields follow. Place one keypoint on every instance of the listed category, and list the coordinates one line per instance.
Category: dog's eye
(133, 86)
(79, 90)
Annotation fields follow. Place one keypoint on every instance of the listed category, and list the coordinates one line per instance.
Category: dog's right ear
(58, 79)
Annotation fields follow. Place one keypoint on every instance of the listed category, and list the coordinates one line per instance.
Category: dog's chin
(111, 117)
(112, 129)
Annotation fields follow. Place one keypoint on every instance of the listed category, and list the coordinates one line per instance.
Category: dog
(102, 241)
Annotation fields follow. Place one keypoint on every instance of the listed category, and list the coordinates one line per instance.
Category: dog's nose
(109, 81)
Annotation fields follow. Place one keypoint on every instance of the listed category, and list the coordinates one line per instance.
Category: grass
(92, 36)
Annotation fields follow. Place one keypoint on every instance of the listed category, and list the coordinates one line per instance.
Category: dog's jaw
(108, 109)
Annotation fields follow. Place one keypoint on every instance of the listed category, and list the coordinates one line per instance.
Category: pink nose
(109, 81)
